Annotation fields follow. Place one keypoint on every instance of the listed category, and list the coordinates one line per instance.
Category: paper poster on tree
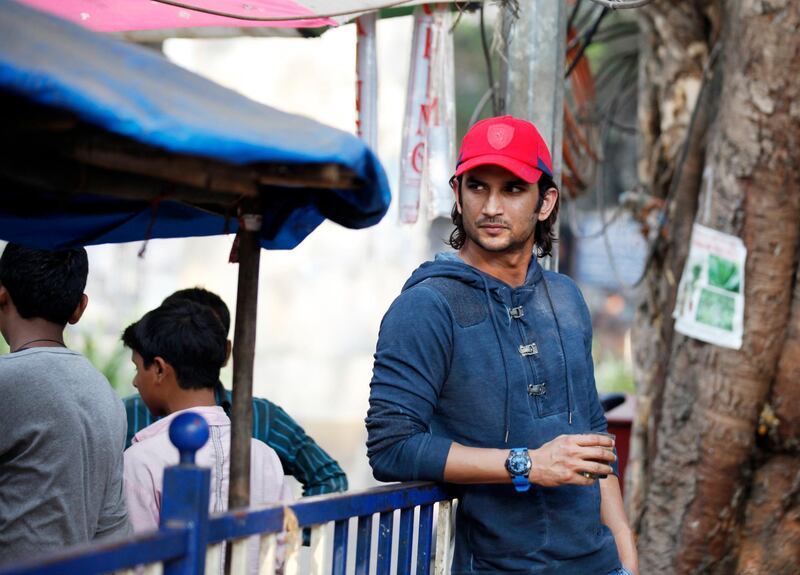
(710, 302)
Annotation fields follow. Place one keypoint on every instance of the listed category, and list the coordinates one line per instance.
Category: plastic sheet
(440, 151)
(416, 116)
(367, 80)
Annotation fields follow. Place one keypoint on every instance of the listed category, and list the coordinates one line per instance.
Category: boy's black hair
(205, 297)
(42, 283)
(187, 335)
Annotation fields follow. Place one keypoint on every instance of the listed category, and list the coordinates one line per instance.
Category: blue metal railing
(189, 540)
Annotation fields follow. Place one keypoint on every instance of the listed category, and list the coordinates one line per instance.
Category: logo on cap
(499, 136)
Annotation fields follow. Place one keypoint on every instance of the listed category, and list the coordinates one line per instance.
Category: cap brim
(520, 169)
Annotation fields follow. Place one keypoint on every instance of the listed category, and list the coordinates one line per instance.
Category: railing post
(425, 533)
(186, 492)
(442, 559)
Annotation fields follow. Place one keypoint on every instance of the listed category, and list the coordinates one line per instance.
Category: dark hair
(204, 297)
(44, 284)
(187, 335)
(543, 236)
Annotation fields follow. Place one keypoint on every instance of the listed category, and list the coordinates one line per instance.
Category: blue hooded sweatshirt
(464, 357)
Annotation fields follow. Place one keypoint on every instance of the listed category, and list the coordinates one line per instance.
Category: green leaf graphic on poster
(723, 273)
(716, 309)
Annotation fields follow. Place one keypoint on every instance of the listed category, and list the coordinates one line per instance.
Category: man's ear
(454, 185)
(5, 298)
(548, 204)
(228, 349)
(76, 315)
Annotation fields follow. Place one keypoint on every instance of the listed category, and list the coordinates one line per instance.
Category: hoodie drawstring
(563, 349)
(502, 354)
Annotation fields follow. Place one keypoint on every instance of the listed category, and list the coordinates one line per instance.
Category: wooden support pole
(243, 358)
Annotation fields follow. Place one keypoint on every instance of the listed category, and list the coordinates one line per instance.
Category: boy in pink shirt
(178, 350)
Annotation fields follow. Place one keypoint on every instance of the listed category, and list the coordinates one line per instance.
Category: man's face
(498, 209)
(145, 382)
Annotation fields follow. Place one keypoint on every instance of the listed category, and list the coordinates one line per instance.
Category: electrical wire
(607, 122)
(622, 4)
(480, 106)
(212, 12)
(573, 14)
(587, 40)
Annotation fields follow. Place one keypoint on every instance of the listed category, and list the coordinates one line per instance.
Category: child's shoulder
(150, 448)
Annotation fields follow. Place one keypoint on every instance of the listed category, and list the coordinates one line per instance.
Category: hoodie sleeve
(412, 361)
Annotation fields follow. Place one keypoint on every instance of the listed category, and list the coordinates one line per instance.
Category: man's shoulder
(264, 403)
(59, 376)
(434, 295)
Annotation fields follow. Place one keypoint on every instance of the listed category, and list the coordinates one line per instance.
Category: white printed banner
(710, 301)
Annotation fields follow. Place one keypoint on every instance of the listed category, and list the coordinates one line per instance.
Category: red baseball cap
(508, 142)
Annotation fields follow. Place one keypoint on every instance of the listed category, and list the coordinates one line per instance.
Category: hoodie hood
(450, 265)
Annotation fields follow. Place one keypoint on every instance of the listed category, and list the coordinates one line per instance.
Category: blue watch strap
(521, 483)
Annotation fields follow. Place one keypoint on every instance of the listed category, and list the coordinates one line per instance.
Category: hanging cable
(573, 14)
(476, 113)
(622, 4)
(212, 12)
(587, 40)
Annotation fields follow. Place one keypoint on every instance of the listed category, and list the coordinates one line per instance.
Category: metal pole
(532, 83)
(244, 337)
(186, 492)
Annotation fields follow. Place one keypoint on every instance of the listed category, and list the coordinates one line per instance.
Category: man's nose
(493, 206)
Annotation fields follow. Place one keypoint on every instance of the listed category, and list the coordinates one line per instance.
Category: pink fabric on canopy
(126, 15)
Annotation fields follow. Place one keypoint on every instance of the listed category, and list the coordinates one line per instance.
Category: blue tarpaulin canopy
(108, 142)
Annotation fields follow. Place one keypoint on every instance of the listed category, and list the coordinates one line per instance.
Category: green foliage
(4, 349)
(613, 375)
(611, 372)
(112, 363)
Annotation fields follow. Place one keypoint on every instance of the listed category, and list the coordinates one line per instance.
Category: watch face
(518, 463)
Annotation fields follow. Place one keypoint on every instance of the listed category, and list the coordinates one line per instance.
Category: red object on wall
(620, 420)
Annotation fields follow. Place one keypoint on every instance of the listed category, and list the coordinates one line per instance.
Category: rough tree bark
(717, 480)
(673, 54)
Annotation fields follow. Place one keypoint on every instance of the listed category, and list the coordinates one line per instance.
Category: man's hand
(561, 461)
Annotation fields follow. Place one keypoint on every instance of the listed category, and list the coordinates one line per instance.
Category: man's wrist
(536, 466)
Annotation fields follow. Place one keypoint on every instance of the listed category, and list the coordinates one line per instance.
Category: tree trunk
(709, 497)
(673, 54)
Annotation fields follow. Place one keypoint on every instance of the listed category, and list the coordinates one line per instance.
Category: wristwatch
(518, 465)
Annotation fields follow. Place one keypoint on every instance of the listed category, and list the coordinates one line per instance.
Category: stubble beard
(511, 245)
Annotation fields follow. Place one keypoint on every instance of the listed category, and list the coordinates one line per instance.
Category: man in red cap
(483, 378)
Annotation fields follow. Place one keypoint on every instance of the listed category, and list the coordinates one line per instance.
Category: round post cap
(188, 432)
